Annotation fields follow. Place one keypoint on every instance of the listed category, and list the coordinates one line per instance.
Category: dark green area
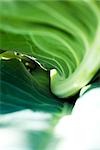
(20, 90)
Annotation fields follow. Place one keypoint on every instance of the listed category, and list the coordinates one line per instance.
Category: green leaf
(65, 39)
(28, 130)
(28, 110)
(20, 90)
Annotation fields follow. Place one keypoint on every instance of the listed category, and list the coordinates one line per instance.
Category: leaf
(20, 90)
(64, 40)
(28, 110)
(28, 130)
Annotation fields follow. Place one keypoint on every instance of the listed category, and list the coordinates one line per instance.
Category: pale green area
(61, 35)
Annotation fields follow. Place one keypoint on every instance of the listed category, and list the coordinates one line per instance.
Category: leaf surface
(20, 90)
